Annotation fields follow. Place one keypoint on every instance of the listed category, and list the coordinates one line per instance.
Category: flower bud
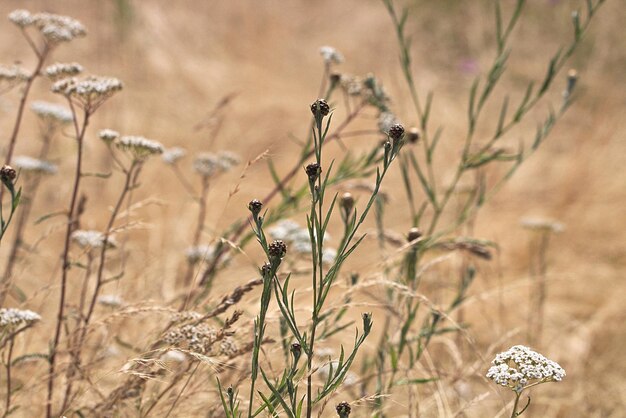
(396, 132)
(296, 350)
(343, 409)
(313, 170)
(255, 206)
(8, 173)
(321, 106)
(277, 249)
(414, 233)
(413, 135)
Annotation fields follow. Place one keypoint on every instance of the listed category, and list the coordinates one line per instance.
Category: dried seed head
(343, 409)
(255, 206)
(266, 268)
(347, 202)
(277, 249)
(8, 173)
(414, 233)
(322, 106)
(413, 135)
(62, 70)
(396, 131)
(313, 170)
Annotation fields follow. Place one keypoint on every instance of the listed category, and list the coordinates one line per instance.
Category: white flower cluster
(538, 224)
(298, 239)
(112, 301)
(62, 70)
(172, 155)
(196, 338)
(12, 318)
(92, 239)
(34, 165)
(208, 164)
(386, 120)
(88, 92)
(11, 75)
(51, 112)
(331, 55)
(199, 253)
(139, 147)
(108, 135)
(520, 366)
(54, 28)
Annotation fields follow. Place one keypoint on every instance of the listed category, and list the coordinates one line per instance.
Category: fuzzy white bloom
(351, 84)
(386, 120)
(108, 135)
(228, 159)
(88, 92)
(329, 255)
(21, 18)
(34, 165)
(139, 147)
(207, 164)
(112, 301)
(92, 239)
(62, 70)
(12, 318)
(51, 112)
(298, 238)
(547, 225)
(12, 74)
(172, 155)
(174, 356)
(57, 28)
(331, 55)
(199, 253)
(520, 366)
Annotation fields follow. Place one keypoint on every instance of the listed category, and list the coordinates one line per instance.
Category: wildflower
(8, 173)
(34, 165)
(172, 155)
(520, 367)
(199, 253)
(385, 121)
(313, 170)
(51, 112)
(196, 338)
(174, 356)
(61, 70)
(414, 233)
(10, 76)
(112, 301)
(396, 131)
(277, 249)
(21, 18)
(321, 106)
(227, 160)
(89, 92)
(57, 28)
(228, 347)
(546, 225)
(296, 350)
(92, 239)
(331, 55)
(207, 164)
(255, 206)
(343, 409)
(352, 85)
(139, 147)
(108, 135)
(347, 203)
(12, 318)
(329, 255)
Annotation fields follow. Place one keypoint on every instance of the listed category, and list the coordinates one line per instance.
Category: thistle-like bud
(347, 203)
(414, 233)
(296, 350)
(396, 132)
(313, 170)
(230, 392)
(387, 145)
(266, 268)
(343, 409)
(277, 249)
(8, 173)
(255, 206)
(321, 106)
(413, 135)
(367, 322)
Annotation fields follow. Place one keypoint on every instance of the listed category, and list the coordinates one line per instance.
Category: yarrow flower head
(12, 318)
(34, 165)
(89, 92)
(199, 253)
(21, 18)
(11, 76)
(108, 135)
(51, 112)
(92, 239)
(54, 28)
(61, 70)
(172, 155)
(331, 55)
(139, 147)
(520, 367)
(209, 165)
(112, 301)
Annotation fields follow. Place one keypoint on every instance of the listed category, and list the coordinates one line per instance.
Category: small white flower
(34, 165)
(92, 239)
(331, 55)
(172, 155)
(386, 120)
(11, 318)
(11, 75)
(108, 135)
(112, 301)
(51, 112)
(139, 147)
(174, 356)
(57, 28)
(199, 253)
(207, 164)
(21, 18)
(61, 70)
(88, 92)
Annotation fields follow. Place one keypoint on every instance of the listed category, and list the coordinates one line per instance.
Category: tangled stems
(71, 223)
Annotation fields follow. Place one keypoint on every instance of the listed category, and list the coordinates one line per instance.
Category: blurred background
(179, 60)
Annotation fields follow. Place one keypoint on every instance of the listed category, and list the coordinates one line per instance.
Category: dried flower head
(8, 173)
(385, 121)
(343, 409)
(138, 147)
(199, 253)
(313, 170)
(255, 206)
(112, 301)
(57, 28)
(228, 160)
(396, 131)
(21, 18)
(321, 106)
(347, 203)
(277, 249)
(11, 76)
(51, 112)
(331, 55)
(92, 239)
(108, 135)
(62, 70)
(519, 367)
(12, 318)
(89, 92)
(34, 165)
(196, 338)
(172, 155)
(206, 164)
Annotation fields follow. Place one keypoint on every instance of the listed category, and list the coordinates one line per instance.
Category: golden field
(178, 60)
